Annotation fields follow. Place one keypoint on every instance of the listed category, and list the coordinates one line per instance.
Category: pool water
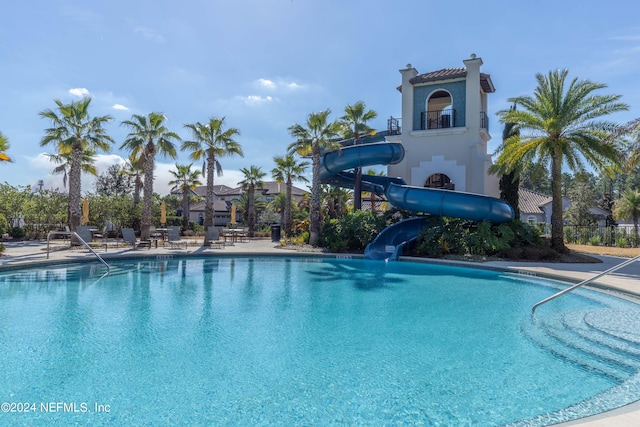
(277, 341)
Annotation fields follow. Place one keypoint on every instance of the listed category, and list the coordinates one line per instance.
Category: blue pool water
(276, 341)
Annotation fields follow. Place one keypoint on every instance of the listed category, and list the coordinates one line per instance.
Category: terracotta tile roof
(530, 202)
(452, 73)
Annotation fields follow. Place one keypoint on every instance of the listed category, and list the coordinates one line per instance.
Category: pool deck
(625, 280)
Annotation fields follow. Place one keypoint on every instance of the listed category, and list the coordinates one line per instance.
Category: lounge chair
(84, 233)
(173, 237)
(130, 237)
(213, 237)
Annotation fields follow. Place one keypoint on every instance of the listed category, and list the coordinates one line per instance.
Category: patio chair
(84, 233)
(130, 237)
(173, 237)
(213, 237)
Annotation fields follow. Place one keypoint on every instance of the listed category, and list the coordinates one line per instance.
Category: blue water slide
(389, 243)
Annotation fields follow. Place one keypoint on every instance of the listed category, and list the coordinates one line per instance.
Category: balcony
(440, 119)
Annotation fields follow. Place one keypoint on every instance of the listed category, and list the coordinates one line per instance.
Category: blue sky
(267, 64)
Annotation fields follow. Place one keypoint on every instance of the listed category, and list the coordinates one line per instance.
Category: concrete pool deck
(625, 280)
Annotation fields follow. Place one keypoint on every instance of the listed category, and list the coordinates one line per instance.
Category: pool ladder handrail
(81, 240)
(584, 282)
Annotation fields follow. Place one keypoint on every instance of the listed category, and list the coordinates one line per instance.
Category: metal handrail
(80, 239)
(584, 282)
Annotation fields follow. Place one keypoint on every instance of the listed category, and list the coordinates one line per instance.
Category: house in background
(536, 208)
(224, 197)
(445, 129)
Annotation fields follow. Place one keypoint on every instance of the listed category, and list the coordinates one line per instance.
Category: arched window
(439, 180)
(439, 113)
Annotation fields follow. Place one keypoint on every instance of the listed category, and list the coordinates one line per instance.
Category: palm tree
(134, 169)
(312, 140)
(335, 200)
(564, 128)
(186, 180)
(148, 136)
(76, 133)
(211, 142)
(628, 207)
(355, 125)
(287, 170)
(252, 180)
(4, 147)
(509, 174)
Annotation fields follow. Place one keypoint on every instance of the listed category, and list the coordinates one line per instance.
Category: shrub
(622, 242)
(17, 232)
(2, 248)
(595, 241)
(352, 232)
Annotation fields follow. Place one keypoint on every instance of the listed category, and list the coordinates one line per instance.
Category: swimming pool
(263, 341)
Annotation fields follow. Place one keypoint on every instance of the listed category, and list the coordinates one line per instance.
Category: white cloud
(149, 34)
(256, 99)
(79, 92)
(120, 107)
(280, 83)
(266, 83)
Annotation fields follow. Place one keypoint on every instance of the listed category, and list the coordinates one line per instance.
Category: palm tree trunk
(208, 200)
(75, 189)
(147, 199)
(557, 224)
(314, 208)
(288, 217)
(357, 189)
(251, 215)
(185, 208)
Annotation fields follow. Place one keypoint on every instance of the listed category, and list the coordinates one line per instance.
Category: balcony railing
(440, 119)
(393, 126)
(484, 121)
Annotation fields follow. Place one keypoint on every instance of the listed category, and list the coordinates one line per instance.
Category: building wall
(421, 95)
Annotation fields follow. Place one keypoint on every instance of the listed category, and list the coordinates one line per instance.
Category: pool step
(557, 333)
(580, 325)
(563, 329)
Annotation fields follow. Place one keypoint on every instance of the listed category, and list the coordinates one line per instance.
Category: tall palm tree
(75, 132)
(186, 180)
(311, 140)
(148, 136)
(211, 141)
(287, 170)
(4, 147)
(564, 128)
(355, 125)
(628, 207)
(252, 180)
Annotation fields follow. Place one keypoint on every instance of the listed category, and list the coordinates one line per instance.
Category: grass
(605, 250)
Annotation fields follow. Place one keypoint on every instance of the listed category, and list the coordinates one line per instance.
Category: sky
(265, 65)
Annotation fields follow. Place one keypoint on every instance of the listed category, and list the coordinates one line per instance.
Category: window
(439, 180)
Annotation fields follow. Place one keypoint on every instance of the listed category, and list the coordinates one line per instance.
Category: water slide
(389, 243)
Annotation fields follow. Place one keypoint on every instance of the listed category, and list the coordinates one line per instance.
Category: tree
(76, 133)
(312, 140)
(355, 125)
(628, 207)
(210, 142)
(186, 180)
(148, 136)
(287, 170)
(4, 147)
(113, 182)
(510, 175)
(583, 197)
(134, 169)
(252, 180)
(564, 128)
